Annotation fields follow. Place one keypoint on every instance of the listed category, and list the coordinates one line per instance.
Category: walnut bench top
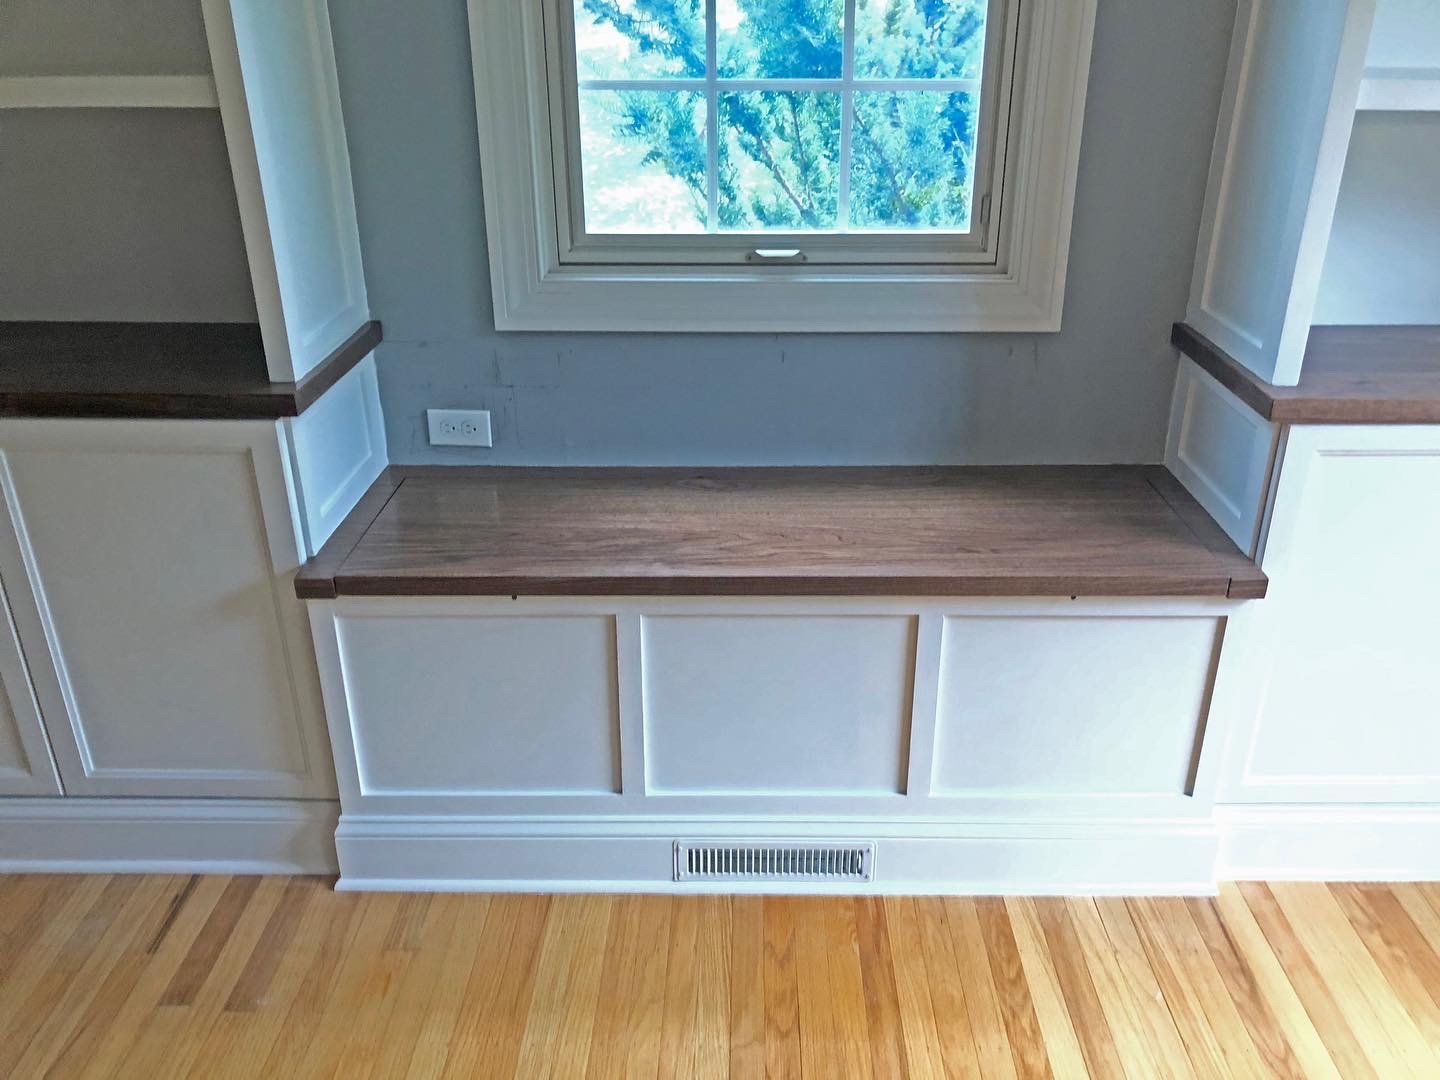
(1021, 531)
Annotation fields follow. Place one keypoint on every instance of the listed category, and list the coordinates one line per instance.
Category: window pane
(913, 157)
(779, 160)
(640, 39)
(780, 39)
(643, 155)
(920, 39)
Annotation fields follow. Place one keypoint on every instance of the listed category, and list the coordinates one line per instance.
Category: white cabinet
(149, 566)
(1344, 672)
(26, 767)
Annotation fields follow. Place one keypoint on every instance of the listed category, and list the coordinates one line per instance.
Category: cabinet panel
(482, 706)
(158, 558)
(1094, 706)
(1346, 679)
(26, 767)
(801, 705)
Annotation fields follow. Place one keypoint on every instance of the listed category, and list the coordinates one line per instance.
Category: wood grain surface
(1027, 531)
(195, 371)
(1351, 375)
(280, 977)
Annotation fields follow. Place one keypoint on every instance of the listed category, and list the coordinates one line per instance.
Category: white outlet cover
(458, 427)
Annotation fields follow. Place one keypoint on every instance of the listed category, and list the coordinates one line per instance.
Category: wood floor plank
(1273, 985)
(630, 1014)
(175, 1034)
(1310, 985)
(1022, 1023)
(924, 1049)
(1385, 1028)
(1214, 1035)
(251, 1026)
(442, 1011)
(1265, 1031)
(747, 986)
(883, 1011)
(820, 1054)
(99, 1053)
(61, 1011)
(1405, 958)
(133, 977)
(556, 1041)
(847, 989)
(1115, 946)
(502, 983)
(782, 990)
(986, 1037)
(1089, 1017)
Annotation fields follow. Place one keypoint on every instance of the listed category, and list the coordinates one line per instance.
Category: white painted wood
(1040, 706)
(435, 675)
(1406, 35)
(1329, 843)
(456, 707)
(337, 450)
(1222, 451)
(567, 855)
(1342, 677)
(26, 765)
(279, 98)
(534, 290)
(1285, 121)
(167, 836)
(803, 705)
(150, 568)
(108, 92)
(1400, 90)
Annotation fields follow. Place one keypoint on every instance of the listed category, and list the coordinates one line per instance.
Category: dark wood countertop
(1352, 375)
(200, 371)
(1023, 531)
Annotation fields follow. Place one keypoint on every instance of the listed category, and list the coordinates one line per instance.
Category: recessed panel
(803, 705)
(156, 573)
(1071, 706)
(483, 705)
(1353, 695)
(14, 764)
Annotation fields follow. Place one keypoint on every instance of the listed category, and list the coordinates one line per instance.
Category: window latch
(776, 256)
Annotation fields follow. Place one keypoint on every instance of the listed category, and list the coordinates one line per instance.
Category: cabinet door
(1345, 668)
(26, 767)
(150, 566)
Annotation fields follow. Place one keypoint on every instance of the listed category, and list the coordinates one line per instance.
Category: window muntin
(687, 134)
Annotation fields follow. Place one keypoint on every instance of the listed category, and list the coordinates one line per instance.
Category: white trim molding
(1223, 452)
(1400, 90)
(1171, 858)
(167, 836)
(1280, 147)
(1337, 842)
(534, 290)
(108, 92)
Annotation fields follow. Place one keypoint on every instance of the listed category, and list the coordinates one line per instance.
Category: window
(773, 165)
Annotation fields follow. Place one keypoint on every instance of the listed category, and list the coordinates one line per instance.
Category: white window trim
(533, 290)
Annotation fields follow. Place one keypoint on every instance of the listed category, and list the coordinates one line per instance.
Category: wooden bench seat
(1123, 531)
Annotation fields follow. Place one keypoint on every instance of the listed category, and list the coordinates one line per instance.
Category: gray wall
(1096, 392)
(1382, 266)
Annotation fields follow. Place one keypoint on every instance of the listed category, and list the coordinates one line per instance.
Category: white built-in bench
(971, 679)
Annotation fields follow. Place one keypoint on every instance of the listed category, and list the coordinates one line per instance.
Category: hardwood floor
(168, 977)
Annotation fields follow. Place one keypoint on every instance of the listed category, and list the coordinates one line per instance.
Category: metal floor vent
(724, 860)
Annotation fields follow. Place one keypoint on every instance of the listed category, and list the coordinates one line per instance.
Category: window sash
(977, 249)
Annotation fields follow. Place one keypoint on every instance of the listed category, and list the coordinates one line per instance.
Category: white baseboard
(167, 836)
(1164, 858)
(1329, 843)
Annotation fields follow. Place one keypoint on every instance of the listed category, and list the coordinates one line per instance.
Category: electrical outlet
(458, 427)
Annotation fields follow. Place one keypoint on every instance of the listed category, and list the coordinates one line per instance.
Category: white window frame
(1017, 285)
